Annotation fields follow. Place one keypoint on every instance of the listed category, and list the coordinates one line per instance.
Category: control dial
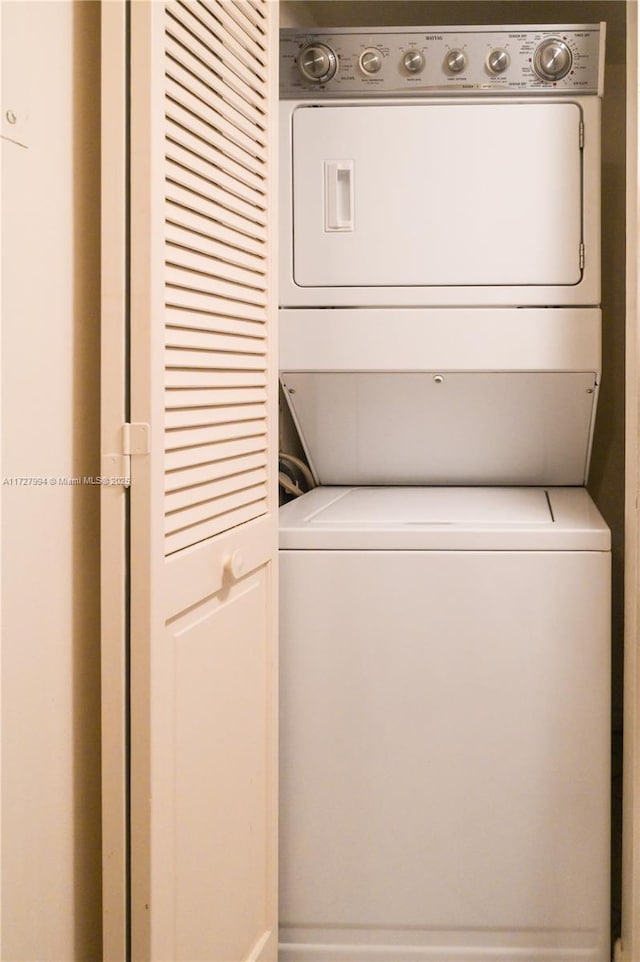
(553, 59)
(413, 61)
(498, 61)
(317, 62)
(371, 60)
(456, 61)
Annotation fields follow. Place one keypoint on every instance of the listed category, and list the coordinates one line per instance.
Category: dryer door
(437, 194)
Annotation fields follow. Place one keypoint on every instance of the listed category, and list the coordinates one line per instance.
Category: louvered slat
(251, 10)
(177, 112)
(207, 510)
(192, 220)
(225, 98)
(215, 206)
(201, 147)
(238, 25)
(213, 118)
(212, 360)
(217, 323)
(213, 341)
(212, 60)
(192, 417)
(186, 259)
(238, 265)
(206, 453)
(235, 379)
(209, 529)
(204, 299)
(178, 154)
(203, 186)
(246, 33)
(248, 120)
(192, 436)
(214, 489)
(241, 51)
(251, 71)
(199, 474)
(215, 397)
(201, 293)
(216, 183)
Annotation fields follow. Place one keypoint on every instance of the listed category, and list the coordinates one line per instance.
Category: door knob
(233, 564)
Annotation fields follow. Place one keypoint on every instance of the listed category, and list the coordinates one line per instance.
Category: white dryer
(444, 726)
(451, 166)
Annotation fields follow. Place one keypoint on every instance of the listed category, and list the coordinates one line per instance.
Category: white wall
(50, 429)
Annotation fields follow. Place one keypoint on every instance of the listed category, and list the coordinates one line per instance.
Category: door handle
(233, 565)
(338, 195)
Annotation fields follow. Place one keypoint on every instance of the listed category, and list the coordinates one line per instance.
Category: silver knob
(456, 61)
(498, 61)
(413, 61)
(553, 59)
(317, 62)
(371, 60)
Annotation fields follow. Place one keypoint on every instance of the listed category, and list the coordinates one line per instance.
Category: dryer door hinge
(581, 257)
(581, 134)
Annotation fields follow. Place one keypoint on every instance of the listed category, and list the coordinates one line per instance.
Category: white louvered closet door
(203, 496)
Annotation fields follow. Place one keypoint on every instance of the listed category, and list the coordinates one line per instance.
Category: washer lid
(439, 518)
(401, 506)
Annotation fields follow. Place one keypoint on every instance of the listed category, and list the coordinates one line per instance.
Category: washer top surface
(373, 506)
(441, 518)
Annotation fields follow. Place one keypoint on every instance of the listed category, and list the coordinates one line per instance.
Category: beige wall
(50, 429)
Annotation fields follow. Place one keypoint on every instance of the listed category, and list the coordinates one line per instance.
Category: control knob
(456, 61)
(553, 59)
(498, 60)
(317, 62)
(413, 61)
(371, 60)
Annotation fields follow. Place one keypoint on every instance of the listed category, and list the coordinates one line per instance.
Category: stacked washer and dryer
(445, 589)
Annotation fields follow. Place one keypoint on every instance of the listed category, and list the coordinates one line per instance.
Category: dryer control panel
(425, 61)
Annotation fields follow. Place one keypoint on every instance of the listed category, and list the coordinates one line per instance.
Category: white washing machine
(445, 591)
(444, 726)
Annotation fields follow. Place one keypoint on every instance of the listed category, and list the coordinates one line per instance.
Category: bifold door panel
(437, 195)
